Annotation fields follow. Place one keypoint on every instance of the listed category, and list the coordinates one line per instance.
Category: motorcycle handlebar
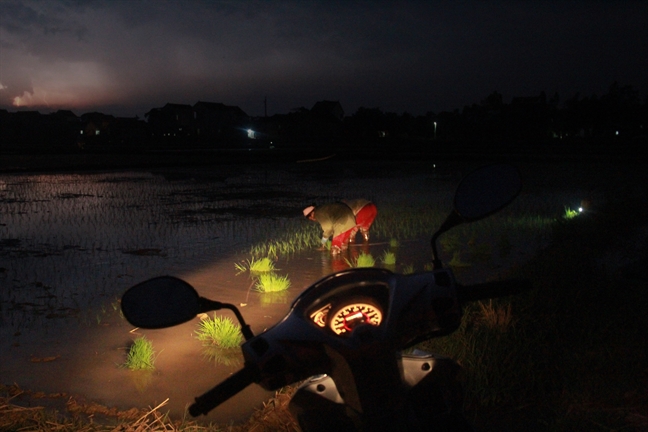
(489, 290)
(250, 374)
(223, 391)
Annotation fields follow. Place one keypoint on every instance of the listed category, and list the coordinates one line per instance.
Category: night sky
(124, 57)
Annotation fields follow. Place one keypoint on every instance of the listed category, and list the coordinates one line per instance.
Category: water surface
(71, 244)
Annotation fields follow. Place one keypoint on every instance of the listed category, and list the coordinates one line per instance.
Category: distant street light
(435, 125)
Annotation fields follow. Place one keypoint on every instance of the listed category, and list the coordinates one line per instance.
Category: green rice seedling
(295, 239)
(394, 243)
(409, 269)
(140, 355)
(363, 260)
(388, 258)
(456, 261)
(219, 331)
(570, 214)
(270, 282)
(260, 265)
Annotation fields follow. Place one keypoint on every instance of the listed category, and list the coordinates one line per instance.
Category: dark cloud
(413, 56)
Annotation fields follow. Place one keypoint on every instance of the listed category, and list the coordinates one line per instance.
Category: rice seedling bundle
(363, 260)
(409, 269)
(260, 265)
(270, 282)
(141, 355)
(389, 258)
(219, 331)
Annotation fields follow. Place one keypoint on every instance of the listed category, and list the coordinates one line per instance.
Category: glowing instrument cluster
(344, 317)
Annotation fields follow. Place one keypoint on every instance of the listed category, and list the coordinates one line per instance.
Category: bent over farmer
(337, 220)
(365, 212)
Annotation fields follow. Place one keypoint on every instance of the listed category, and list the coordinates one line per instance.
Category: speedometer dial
(345, 318)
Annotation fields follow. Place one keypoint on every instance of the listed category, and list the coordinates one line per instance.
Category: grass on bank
(23, 410)
(570, 355)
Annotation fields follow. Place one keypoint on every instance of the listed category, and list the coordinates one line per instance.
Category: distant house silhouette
(65, 116)
(328, 109)
(172, 120)
(129, 133)
(21, 130)
(94, 130)
(204, 123)
(96, 123)
(214, 120)
(103, 132)
(592, 124)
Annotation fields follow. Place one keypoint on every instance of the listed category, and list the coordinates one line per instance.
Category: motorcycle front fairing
(352, 326)
(434, 396)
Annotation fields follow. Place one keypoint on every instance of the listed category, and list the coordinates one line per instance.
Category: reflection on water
(141, 379)
(71, 244)
(274, 298)
(223, 356)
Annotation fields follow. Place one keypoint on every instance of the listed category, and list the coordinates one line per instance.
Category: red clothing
(365, 213)
(342, 240)
(366, 216)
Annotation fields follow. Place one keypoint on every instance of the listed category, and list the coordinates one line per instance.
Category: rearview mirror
(160, 302)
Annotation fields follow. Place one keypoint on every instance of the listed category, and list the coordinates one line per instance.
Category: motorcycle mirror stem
(167, 301)
(207, 305)
(451, 221)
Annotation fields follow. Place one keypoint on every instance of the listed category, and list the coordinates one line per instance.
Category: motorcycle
(345, 337)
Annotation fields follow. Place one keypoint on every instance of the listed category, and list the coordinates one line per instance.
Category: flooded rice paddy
(71, 244)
